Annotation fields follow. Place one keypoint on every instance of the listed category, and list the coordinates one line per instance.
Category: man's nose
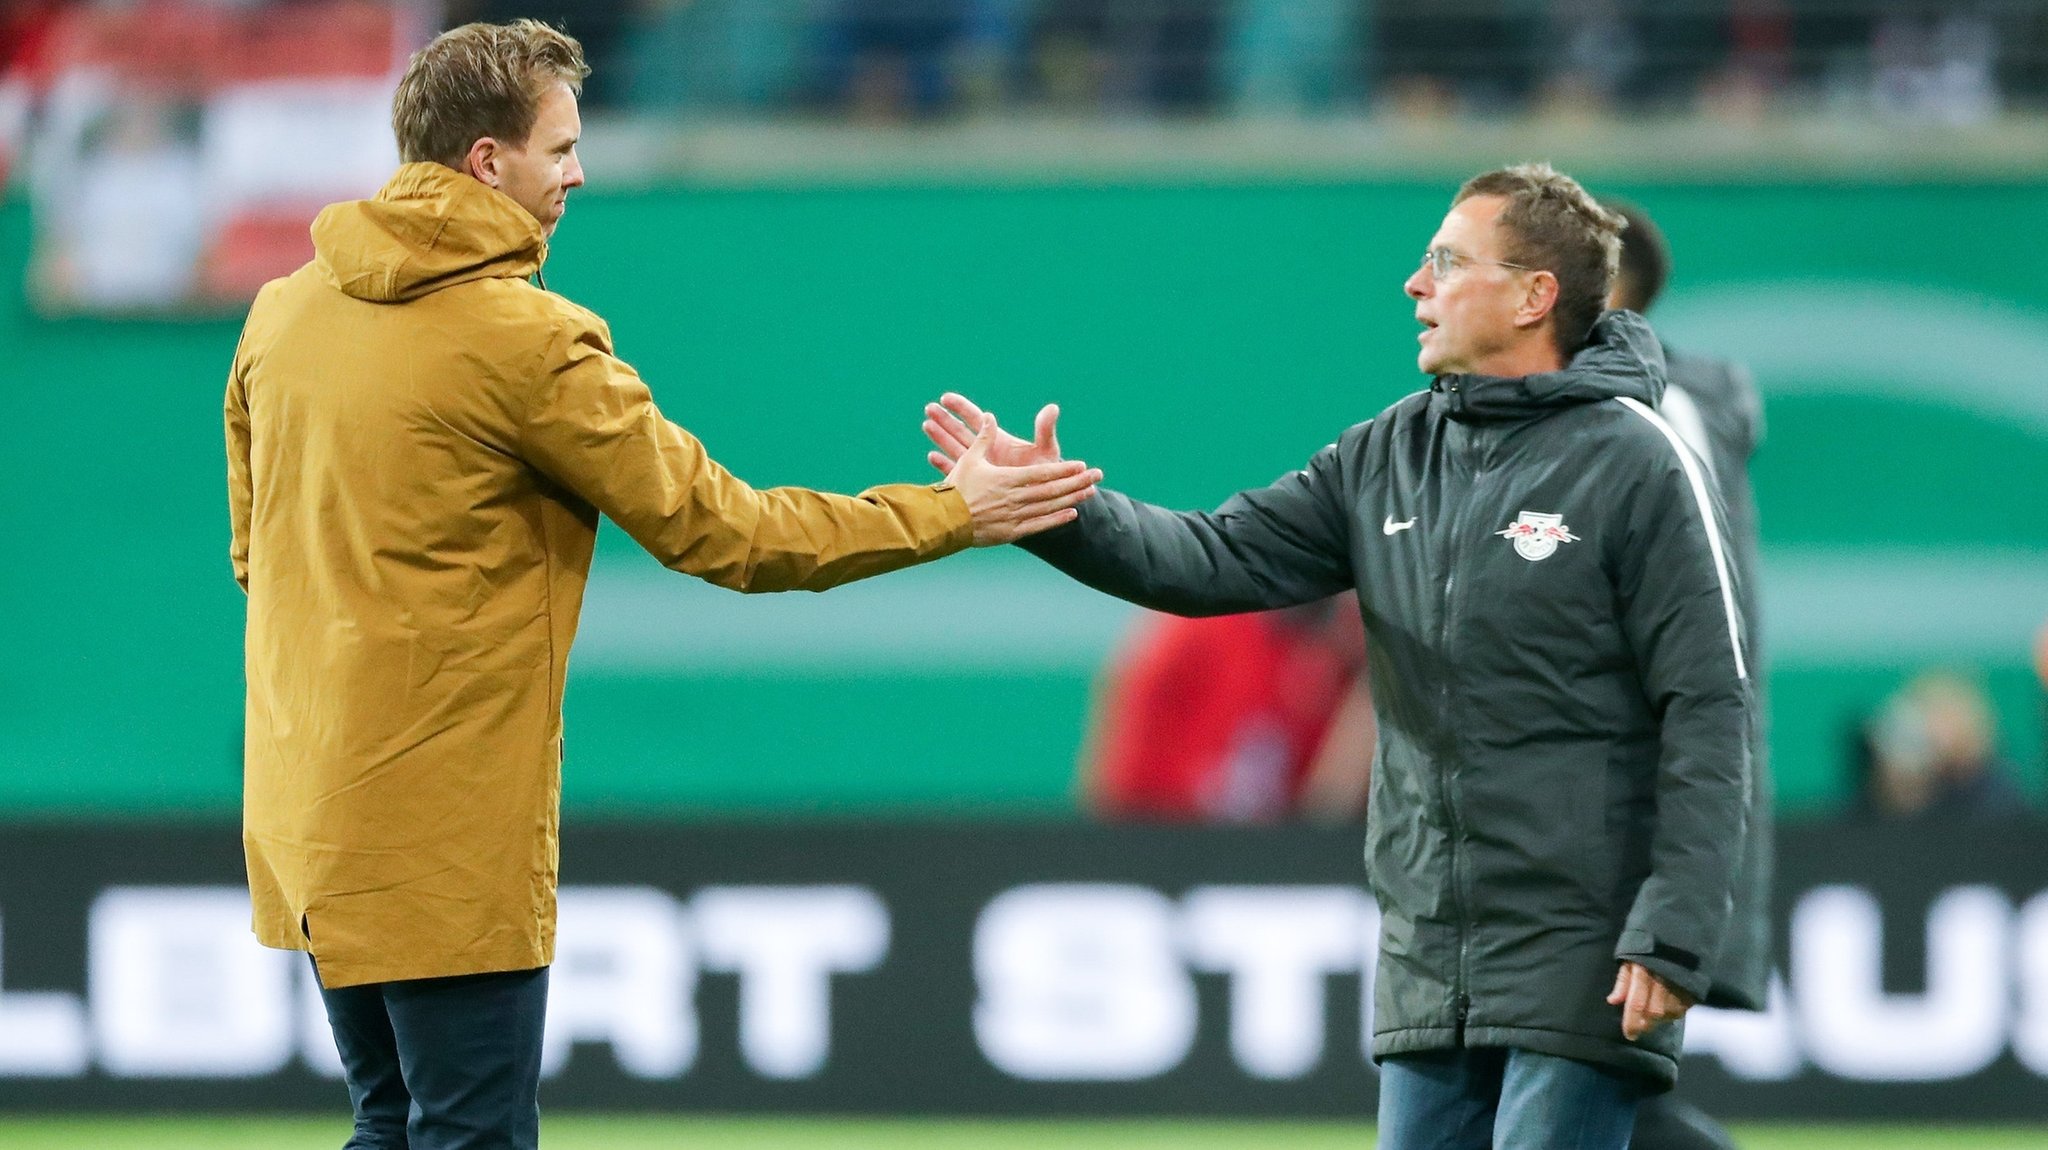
(1420, 284)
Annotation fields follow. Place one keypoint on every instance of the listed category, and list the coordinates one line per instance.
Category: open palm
(949, 424)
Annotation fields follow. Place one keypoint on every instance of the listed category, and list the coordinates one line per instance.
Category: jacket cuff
(960, 530)
(1677, 967)
(1056, 543)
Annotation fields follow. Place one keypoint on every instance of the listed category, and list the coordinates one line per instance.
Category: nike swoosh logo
(1390, 527)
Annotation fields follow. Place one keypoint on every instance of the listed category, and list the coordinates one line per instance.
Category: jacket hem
(342, 970)
(1413, 1040)
(1659, 1072)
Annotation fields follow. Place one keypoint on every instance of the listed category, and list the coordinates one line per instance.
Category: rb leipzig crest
(1537, 534)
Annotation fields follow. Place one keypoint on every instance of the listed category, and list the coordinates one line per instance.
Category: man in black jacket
(1715, 407)
(1557, 808)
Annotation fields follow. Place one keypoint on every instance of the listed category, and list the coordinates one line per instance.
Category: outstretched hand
(1008, 501)
(952, 423)
(1646, 1001)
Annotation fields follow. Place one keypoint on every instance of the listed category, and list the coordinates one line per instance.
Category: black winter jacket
(1557, 668)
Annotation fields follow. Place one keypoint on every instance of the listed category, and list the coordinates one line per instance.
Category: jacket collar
(1622, 358)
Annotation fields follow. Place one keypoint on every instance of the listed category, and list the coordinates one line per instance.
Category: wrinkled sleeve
(241, 492)
(1275, 546)
(1678, 611)
(592, 426)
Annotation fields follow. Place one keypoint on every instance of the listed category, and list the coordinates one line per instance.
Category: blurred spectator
(129, 228)
(1939, 70)
(1594, 52)
(1933, 755)
(1128, 55)
(1070, 52)
(1753, 77)
(1294, 56)
(26, 27)
(732, 56)
(1239, 718)
(1172, 62)
(1681, 45)
(990, 62)
(892, 59)
(1479, 58)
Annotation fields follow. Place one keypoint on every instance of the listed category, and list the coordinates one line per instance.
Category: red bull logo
(1536, 534)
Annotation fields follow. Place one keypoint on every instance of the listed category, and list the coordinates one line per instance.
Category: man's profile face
(539, 173)
(1468, 315)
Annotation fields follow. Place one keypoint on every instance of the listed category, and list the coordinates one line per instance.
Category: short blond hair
(480, 80)
(1553, 224)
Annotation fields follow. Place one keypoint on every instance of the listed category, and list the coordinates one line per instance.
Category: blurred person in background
(1457, 58)
(1714, 406)
(1680, 44)
(1933, 754)
(129, 224)
(1558, 807)
(1070, 57)
(1252, 718)
(1173, 54)
(26, 27)
(1754, 67)
(717, 56)
(1140, 57)
(1294, 57)
(1937, 69)
(420, 444)
(989, 65)
(892, 60)
(1595, 53)
(120, 176)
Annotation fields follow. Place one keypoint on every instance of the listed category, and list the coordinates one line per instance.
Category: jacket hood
(431, 227)
(1623, 359)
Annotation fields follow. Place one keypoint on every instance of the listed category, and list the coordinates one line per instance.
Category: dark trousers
(1668, 1122)
(1503, 1099)
(443, 1063)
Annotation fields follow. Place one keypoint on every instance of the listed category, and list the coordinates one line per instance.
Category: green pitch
(585, 1133)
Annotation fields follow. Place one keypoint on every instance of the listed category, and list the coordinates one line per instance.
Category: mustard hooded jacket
(420, 443)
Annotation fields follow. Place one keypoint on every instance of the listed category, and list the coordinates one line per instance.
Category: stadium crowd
(893, 59)
(888, 60)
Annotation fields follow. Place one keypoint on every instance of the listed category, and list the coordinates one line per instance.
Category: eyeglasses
(1443, 261)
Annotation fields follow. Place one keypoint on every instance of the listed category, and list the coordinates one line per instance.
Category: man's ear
(1538, 302)
(482, 161)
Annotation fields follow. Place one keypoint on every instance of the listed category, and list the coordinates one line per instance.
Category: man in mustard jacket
(420, 443)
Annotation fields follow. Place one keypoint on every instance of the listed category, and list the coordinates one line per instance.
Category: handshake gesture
(1013, 487)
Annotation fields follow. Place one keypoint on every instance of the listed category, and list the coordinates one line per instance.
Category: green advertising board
(1201, 338)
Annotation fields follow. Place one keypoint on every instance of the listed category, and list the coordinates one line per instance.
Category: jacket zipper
(1461, 982)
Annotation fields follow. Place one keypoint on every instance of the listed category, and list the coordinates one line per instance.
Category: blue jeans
(1503, 1099)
